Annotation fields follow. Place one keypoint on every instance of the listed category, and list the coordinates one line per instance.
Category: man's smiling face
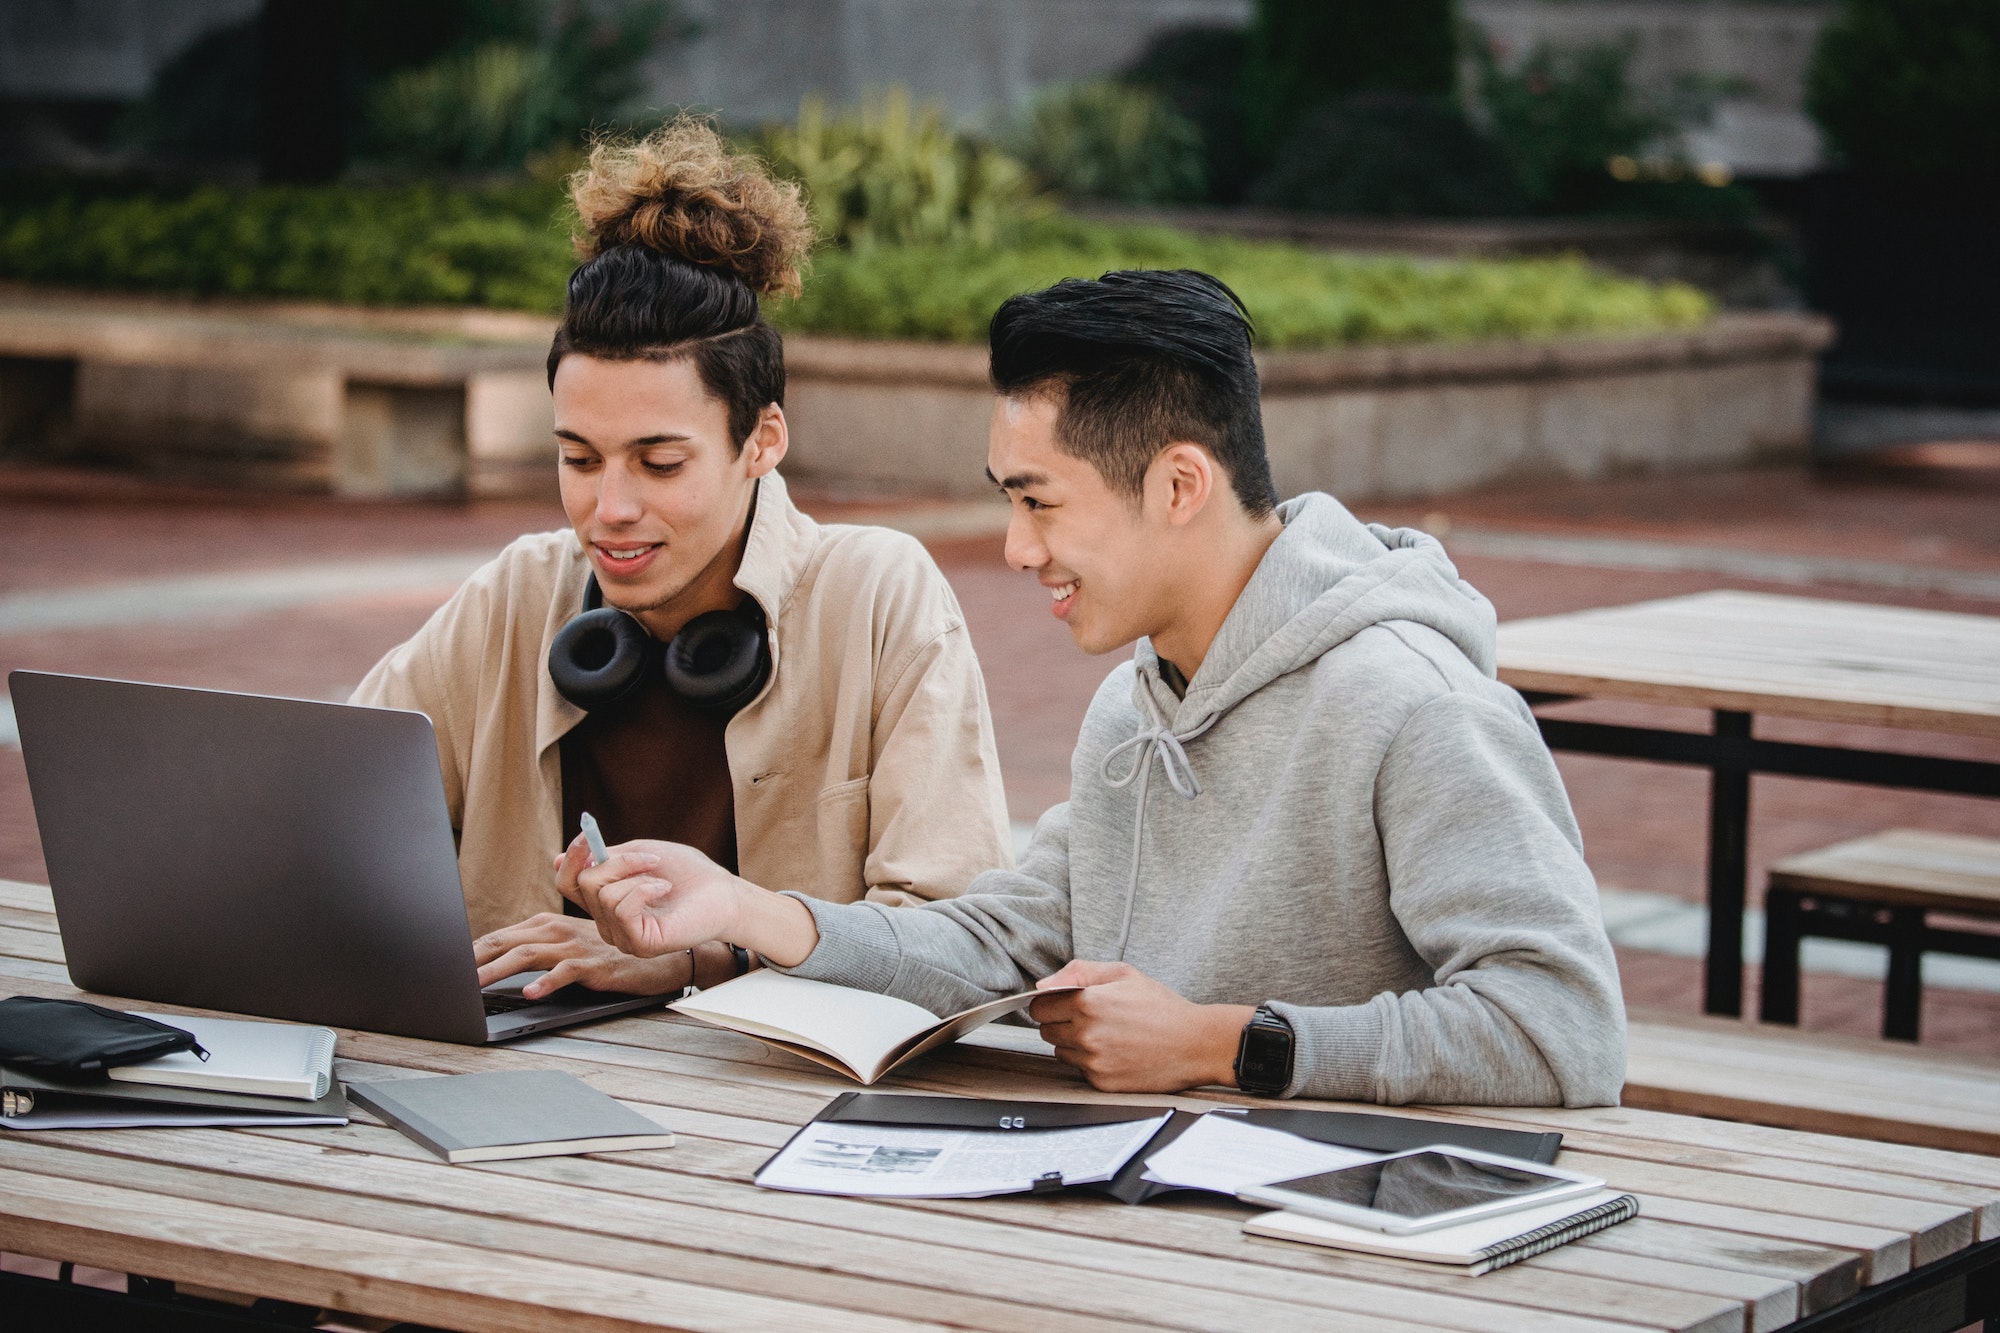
(654, 486)
(1087, 543)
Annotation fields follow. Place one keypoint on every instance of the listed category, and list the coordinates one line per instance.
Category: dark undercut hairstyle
(1138, 360)
(680, 238)
(632, 303)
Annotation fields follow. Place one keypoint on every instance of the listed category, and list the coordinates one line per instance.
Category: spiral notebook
(1476, 1247)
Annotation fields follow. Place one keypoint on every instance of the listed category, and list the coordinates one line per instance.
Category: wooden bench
(291, 396)
(1727, 1069)
(1880, 890)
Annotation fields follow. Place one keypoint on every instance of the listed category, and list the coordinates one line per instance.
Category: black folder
(1347, 1129)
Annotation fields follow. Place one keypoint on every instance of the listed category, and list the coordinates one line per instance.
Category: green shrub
(894, 174)
(509, 248)
(414, 246)
(1108, 140)
(1305, 52)
(1199, 71)
(1390, 154)
(1563, 115)
(463, 85)
(1911, 86)
(521, 78)
(482, 109)
(1581, 139)
(1298, 298)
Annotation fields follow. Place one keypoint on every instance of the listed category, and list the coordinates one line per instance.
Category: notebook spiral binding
(1542, 1239)
(320, 1058)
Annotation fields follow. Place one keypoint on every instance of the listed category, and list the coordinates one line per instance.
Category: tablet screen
(1421, 1184)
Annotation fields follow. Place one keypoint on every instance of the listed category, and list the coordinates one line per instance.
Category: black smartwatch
(1264, 1056)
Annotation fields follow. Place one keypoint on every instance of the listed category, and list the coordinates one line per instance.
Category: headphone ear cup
(598, 659)
(719, 660)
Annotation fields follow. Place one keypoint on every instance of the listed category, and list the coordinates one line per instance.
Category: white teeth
(624, 555)
(1063, 593)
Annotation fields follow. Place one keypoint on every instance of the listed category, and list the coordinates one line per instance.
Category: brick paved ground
(1643, 824)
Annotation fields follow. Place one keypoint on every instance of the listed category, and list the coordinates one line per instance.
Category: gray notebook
(492, 1117)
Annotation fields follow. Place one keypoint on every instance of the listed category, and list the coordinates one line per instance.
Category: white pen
(599, 853)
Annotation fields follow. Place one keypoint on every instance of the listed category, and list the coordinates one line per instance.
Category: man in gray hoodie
(1312, 847)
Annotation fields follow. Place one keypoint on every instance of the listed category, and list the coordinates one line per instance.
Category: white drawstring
(1158, 740)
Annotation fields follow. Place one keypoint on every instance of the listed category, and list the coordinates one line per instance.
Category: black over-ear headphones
(718, 661)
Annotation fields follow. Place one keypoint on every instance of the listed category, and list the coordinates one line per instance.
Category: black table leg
(1779, 1001)
(1903, 995)
(1731, 754)
(1728, 869)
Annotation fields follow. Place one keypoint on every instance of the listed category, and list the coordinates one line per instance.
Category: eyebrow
(1019, 481)
(641, 442)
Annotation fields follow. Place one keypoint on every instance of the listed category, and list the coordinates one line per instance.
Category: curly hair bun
(680, 191)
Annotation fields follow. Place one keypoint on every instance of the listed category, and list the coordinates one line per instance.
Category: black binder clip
(1047, 1183)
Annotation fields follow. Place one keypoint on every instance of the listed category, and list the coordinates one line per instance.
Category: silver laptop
(263, 856)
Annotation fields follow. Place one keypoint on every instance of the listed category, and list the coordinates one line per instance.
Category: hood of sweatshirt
(1326, 578)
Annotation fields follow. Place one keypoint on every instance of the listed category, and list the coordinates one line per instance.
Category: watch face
(1265, 1062)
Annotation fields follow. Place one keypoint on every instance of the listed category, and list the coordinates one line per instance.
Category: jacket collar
(779, 548)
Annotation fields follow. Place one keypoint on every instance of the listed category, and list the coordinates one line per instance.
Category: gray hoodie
(1346, 816)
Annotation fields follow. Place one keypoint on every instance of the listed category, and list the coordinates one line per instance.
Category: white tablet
(1423, 1189)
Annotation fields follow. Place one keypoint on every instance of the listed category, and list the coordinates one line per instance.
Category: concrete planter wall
(1365, 422)
(451, 402)
(280, 396)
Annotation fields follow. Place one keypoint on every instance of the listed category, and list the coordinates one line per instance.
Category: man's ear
(1184, 477)
(768, 443)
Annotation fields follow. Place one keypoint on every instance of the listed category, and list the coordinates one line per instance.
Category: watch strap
(1251, 1073)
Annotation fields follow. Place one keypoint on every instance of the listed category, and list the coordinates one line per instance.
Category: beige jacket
(866, 767)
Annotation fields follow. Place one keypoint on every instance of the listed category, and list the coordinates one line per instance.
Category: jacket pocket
(842, 817)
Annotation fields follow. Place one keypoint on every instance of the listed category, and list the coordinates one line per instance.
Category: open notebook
(853, 1032)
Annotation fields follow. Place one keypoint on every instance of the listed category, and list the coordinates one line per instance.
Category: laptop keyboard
(506, 1002)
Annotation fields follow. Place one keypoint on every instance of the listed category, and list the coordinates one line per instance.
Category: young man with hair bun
(1312, 847)
(694, 659)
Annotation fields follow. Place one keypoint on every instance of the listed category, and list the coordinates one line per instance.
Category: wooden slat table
(1744, 1228)
(1738, 654)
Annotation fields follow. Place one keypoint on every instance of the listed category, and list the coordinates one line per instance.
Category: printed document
(902, 1161)
(1223, 1153)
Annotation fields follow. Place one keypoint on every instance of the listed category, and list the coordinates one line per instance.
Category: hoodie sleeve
(1487, 880)
(1009, 929)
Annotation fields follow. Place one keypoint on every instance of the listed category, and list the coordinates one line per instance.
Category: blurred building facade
(67, 66)
(1753, 56)
(752, 60)
(89, 50)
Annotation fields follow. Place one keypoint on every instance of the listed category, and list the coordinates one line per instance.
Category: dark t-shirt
(652, 767)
